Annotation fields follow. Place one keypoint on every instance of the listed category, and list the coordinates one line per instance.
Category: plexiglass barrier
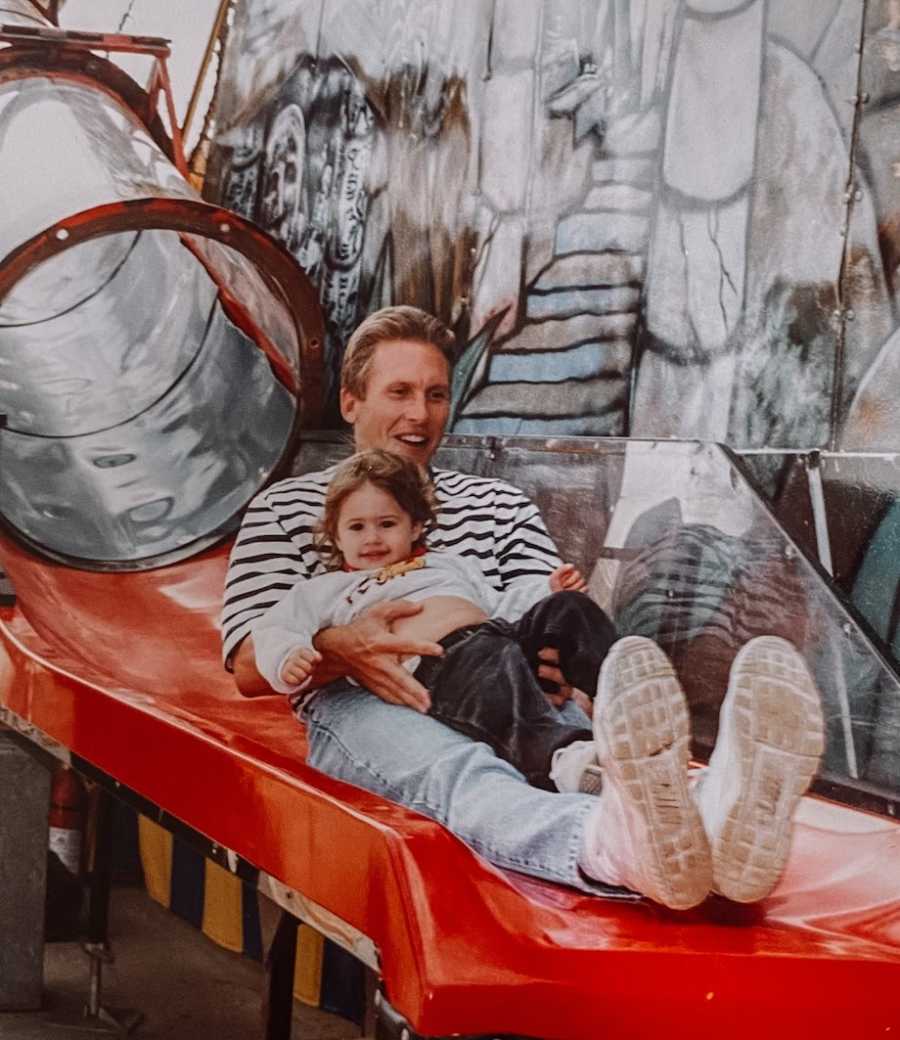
(150, 374)
(681, 549)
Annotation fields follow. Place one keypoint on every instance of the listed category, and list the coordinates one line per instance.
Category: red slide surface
(123, 669)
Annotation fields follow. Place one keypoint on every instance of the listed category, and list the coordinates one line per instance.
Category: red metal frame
(155, 47)
(276, 267)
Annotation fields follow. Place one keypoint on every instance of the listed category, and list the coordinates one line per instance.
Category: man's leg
(647, 833)
(485, 688)
(596, 844)
(771, 737)
(417, 761)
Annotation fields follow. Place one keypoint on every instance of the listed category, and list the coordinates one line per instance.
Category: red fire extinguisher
(67, 801)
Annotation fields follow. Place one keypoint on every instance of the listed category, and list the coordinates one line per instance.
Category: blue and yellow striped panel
(227, 908)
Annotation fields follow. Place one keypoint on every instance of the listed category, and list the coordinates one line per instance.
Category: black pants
(485, 684)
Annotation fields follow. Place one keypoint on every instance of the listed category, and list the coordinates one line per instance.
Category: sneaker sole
(777, 739)
(642, 732)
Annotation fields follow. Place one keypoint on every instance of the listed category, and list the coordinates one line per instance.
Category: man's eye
(398, 391)
(439, 395)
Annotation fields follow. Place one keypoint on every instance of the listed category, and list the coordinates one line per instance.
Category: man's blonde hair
(399, 477)
(401, 322)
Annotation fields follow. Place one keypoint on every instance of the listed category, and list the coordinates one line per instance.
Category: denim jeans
(417, 761)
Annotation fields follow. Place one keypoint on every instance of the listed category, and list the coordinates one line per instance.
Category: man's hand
(299, 665)
(567, 578)
(367, 650)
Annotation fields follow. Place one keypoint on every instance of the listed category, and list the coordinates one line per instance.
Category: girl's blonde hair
(398, 477)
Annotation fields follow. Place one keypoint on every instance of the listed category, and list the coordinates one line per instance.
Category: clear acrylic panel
(680, 548)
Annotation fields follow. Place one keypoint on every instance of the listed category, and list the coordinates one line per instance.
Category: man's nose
(417, 408)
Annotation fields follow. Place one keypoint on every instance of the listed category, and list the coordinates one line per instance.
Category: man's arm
(250, 682)
(366, 649)
(263, 567)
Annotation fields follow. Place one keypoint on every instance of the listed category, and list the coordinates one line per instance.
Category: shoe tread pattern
(643, 733)
(778, 739)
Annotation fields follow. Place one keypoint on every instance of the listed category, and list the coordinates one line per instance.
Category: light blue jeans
(417, 761)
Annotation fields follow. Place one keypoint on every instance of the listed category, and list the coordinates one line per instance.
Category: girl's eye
(388, 523)
(354, 527)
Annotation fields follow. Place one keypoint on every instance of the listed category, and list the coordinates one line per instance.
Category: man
(644, 832)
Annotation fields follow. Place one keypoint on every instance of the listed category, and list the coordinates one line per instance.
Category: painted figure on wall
(636, 215)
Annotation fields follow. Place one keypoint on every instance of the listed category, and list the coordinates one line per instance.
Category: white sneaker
(771, 737)
(646, 833)
(573, 767)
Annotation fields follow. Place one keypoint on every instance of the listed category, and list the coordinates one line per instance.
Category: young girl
(377, 511)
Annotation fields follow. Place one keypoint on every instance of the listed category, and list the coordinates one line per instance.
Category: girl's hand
(567, 578)
(299, 665)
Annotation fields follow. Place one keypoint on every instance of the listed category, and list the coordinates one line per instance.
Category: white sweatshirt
(337, 598)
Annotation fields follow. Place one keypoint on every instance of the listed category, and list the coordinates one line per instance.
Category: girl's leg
(485, 688)
(572, 623)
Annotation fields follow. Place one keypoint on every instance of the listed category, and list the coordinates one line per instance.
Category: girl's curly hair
(398, 477)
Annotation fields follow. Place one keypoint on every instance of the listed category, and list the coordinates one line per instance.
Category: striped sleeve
(264, 565)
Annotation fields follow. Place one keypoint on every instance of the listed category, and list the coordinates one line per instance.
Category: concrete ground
(187, 987)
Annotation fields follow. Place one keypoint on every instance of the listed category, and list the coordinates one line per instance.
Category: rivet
(850, 315)
(377, 998)
(225, 228)
(62, 234)
(404, 1033)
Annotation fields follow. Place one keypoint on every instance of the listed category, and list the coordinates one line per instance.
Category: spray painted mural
(668, 218)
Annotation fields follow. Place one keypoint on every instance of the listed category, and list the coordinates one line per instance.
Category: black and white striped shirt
(477, 516)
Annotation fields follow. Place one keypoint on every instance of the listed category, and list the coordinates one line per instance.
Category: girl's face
(373, 531)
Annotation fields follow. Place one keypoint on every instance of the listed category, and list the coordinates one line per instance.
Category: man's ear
(349, 403)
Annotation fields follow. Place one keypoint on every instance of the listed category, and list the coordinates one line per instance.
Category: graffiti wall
(677, 217)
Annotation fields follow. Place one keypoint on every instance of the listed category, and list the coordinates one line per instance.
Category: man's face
(407, 401)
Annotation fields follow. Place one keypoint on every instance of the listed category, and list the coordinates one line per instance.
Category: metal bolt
(857, 195)
(377, 998)
(225, 228)
(847, 628)
(789, 552)
(850, 314)
(62, 234)
(864, 97)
